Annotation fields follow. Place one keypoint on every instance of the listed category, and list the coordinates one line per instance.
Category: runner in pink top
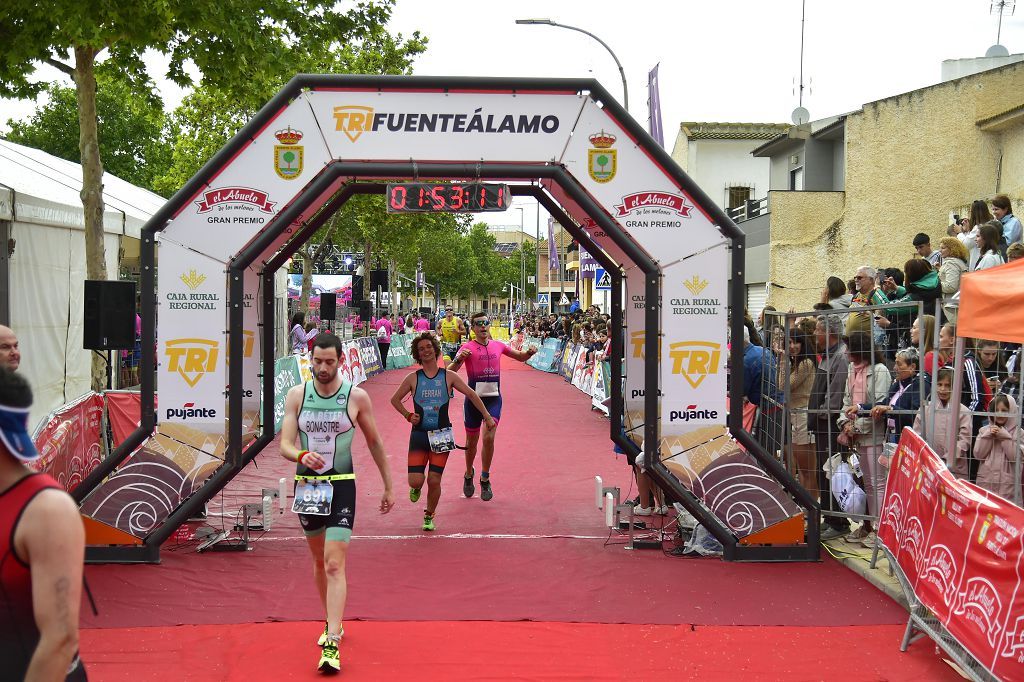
(422, 324)
(482, 357)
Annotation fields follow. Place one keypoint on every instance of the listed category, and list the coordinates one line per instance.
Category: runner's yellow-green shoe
(428, 521)
(330, 661)
(323, 637)
(414, 494)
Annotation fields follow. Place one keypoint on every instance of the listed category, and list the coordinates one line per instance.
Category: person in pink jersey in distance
(482, 357)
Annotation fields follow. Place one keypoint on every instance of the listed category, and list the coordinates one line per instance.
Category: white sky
(721, 60)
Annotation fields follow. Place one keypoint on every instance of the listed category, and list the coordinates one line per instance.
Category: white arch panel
(253, 188)
(446, 126)
(659, 216)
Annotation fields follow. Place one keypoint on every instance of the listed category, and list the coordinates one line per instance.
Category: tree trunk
(367, 267)
(307, 280)
(92, 184)
(393, 286)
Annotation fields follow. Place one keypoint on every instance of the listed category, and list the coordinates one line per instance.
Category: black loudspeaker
(357, 289)
(328, 306)
(109, 322)
(378, 280)
(365, 310)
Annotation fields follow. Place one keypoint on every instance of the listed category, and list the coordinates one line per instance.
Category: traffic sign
(602, 280)
(564, 301)
(542, 299)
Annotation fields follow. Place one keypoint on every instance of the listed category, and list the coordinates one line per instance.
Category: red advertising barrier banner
(69, 444)
(124, 412)
(962, 551)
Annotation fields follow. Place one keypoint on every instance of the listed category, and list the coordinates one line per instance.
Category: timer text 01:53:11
(445, 197)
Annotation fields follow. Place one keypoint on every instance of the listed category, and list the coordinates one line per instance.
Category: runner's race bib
(487, 389)
(313, 497)
(441, 440)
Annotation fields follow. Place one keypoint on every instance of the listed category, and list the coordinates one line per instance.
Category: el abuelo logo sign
(652, 209)
(229, 205)
(354, 120)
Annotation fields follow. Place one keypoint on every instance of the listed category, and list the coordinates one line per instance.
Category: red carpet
(536, 552)
(510, 651)
(437, 578)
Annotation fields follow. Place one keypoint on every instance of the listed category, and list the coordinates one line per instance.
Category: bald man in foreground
(10, 356)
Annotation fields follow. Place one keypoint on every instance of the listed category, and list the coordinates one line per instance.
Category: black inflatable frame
(238, 457)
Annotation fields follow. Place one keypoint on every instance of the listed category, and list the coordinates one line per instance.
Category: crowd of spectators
(855, 377)
(588, 328)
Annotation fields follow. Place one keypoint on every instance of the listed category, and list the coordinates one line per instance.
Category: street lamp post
(522, 255)
(511, 293)
(622, 73)
(536, 250)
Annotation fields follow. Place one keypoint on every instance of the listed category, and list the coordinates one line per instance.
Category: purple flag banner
(553, 263)
(588, 266)
(654, 107)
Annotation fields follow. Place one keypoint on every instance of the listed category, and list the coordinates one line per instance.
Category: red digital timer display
(447, 197)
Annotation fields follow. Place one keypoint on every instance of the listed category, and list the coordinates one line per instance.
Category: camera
(956, 218)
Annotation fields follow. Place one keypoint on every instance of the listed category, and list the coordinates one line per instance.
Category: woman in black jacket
(900, 406)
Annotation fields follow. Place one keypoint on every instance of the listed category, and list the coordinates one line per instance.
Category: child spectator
(998, 448)
(938, 437)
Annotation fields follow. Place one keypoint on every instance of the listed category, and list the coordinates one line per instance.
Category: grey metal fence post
(954, 398)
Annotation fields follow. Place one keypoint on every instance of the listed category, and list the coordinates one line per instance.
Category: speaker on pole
(378, 280)
(109, 315)
(357, 289)
(365, 310)
(328, 306)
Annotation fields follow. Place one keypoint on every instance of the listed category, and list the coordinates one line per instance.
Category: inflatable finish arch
(673, 255)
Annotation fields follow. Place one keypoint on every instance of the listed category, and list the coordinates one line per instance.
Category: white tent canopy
(41, 209)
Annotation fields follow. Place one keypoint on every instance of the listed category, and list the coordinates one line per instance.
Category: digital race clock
(447, 197)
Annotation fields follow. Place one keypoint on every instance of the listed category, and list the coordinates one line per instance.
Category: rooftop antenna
(801, 115)
(1002, 7)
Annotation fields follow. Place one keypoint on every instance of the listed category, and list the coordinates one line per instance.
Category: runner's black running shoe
(485, 489)
(467, 484)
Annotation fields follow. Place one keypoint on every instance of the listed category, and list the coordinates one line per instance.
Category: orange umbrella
(992, 303)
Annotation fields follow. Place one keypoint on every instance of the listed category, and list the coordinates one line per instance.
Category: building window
(736, 197)
(796, 179)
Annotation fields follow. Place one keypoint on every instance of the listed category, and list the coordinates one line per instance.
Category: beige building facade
(855, 189)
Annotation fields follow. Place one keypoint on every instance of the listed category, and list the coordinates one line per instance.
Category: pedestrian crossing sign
(602, 280)
(542, 299)
(564, 301)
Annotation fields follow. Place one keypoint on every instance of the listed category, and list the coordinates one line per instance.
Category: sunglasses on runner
(482, 323)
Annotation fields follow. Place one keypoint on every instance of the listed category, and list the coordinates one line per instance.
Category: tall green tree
(130, 125)
(233, 43)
